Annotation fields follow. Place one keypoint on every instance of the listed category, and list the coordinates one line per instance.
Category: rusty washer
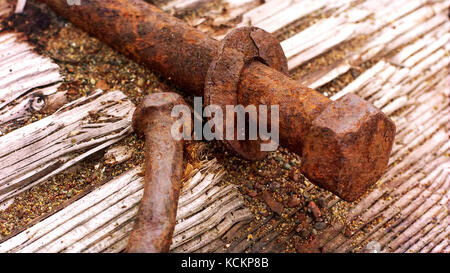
(345, 144)
(237, 49)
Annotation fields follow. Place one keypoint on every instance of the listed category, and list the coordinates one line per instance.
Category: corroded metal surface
(236, 50)
(148, 35)
(156, 217)
(345, 144)
(184, 55)
(299, 105)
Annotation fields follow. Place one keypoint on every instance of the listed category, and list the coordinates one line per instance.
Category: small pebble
(301, 217)
(291, 187)
(259, 186)
(274, 186)
(272, 203)
(102, 85)
(263, 182)
(264, 213)
(293, 202)
(252, 193)
(314, 209)
(320, 225)
(294, 176)
(306, 195)
(372, 247)
(347, 232)
(287, 166)
(296, 239)
(321, 203)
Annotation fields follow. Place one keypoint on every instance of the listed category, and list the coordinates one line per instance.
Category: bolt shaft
(183, 54)
(361, 136)
(156, 217)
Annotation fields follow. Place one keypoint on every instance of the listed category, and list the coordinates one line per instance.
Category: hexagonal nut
(348, 147)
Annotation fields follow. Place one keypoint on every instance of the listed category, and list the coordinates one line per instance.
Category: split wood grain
(36, 152)
(102, 220)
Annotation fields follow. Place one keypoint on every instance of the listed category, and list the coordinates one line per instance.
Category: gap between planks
(102, 220)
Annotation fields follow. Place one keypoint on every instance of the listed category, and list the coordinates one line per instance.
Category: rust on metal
(345, 144)
(156, 217)
(146, 34)
(299, 105)
(236, 50)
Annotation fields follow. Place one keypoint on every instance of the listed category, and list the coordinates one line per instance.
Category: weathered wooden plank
(264, 11)
(33, 153)
(275, 15)
(420, 88)
(439, 246)
(361, 20)
(411, 86)
(183, 5)
(38, 101)
(103, 218)
(20, 6)
(384, 37)
(5, 9)
(28, 82)
(21, 69)
(408, 190)
(405, 82)
(234, 9)
(424, 236)
(390, 23)
(207, 237)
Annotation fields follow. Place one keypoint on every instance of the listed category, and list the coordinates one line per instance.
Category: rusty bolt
(341, 144)
(345, 144)
(163, 171)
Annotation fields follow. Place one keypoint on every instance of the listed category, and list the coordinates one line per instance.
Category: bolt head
(153, 106)
(348, 147)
